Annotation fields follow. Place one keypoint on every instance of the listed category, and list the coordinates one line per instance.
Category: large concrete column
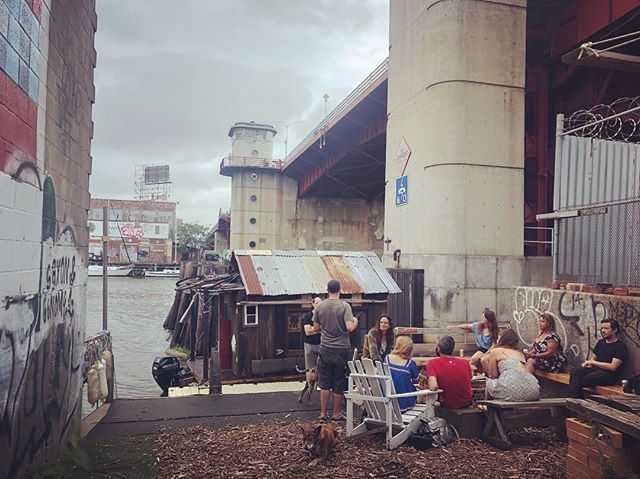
(456, 94)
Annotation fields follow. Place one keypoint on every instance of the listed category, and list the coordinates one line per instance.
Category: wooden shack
(260, 326)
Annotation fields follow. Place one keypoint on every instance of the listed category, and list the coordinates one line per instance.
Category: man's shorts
(333, 369)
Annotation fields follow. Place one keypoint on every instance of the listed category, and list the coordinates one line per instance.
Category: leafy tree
(191, 236)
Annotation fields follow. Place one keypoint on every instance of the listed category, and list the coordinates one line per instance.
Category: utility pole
(175, 233)
(105, 263)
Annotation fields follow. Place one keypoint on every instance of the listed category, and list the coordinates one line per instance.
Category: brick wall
(47, 59)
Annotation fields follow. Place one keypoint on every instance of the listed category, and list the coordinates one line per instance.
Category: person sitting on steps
(608, 357)
(486, 335)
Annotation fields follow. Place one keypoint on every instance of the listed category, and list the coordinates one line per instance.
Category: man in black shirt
(604, 368)
(310, 337)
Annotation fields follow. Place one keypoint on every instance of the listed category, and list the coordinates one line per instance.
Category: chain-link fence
(602, 247)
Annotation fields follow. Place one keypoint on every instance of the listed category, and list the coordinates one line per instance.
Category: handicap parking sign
(402, 193)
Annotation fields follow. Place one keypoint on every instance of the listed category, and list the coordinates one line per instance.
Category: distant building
(139, 231)
(219, 237)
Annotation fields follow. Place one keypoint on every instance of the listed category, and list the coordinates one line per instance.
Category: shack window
(251, 315)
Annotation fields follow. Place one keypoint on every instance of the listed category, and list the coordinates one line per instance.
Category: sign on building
(404, 152)
(402, 192)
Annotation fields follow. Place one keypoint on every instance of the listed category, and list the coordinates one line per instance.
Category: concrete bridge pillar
(456, 96)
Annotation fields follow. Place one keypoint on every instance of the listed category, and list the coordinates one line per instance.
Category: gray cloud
(173, 76)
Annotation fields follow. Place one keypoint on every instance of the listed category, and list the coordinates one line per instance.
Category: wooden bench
(563, 378)
(498, 424)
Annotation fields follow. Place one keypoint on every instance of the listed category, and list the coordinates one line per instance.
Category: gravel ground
(275, 451)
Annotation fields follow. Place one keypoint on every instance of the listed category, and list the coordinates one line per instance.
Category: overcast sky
(172, 77)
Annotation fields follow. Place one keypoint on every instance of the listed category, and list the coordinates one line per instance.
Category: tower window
(253, 198)
(252, 244)
(252, 221)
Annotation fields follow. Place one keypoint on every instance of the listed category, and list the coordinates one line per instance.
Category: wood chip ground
(275, 451)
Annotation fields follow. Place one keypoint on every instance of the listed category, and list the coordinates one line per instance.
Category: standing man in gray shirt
(334, 319)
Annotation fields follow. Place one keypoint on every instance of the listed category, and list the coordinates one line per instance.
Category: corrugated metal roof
(281, 272)
(366, 276)
(338, 269)
(318, 273)
(383, 274)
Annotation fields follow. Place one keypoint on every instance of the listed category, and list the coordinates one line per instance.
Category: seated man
(604, 368)
(451, 374)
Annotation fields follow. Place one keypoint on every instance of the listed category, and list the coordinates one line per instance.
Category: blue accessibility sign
(402, 192)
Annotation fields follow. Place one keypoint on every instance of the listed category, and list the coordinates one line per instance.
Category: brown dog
(319, 440)
(311, 376)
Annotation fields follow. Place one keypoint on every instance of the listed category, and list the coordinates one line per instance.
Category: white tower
(255, 186)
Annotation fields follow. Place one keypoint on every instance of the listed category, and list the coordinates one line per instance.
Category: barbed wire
(619, 121)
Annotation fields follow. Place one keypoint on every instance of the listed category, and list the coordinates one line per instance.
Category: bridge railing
(342, 106)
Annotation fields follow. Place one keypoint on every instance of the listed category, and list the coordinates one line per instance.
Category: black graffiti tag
(629, 318)
(61, 272)
(571, 318)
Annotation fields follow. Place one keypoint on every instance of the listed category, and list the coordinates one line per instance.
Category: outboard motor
(167, 372)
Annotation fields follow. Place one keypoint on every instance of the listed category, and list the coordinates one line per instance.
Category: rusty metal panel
(338, 269)
(366, 275)
(249, 277)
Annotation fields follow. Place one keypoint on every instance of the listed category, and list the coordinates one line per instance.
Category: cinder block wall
(47, 59)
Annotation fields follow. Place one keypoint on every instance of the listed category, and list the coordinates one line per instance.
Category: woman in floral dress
(546, 353)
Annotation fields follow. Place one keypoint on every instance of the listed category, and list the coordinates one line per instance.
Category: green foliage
(191, 236)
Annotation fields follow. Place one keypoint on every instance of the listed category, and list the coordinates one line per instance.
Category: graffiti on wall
(42, 251)
(577, 316)
(41, 336)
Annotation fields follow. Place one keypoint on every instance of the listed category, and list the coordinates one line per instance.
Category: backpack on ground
(433, 433)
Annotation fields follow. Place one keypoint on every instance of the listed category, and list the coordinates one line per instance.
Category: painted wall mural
(578, 317)
(45, 136)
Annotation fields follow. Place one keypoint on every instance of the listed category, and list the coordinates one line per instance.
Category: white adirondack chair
(374, 387)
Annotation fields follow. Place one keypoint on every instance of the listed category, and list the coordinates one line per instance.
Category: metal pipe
(105, 263)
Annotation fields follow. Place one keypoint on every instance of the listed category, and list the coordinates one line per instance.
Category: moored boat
(96, 270)
(165, 273)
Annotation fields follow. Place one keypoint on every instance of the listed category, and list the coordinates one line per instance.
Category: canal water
(137, 309)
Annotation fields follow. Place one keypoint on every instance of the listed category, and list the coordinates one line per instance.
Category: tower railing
(249, 161)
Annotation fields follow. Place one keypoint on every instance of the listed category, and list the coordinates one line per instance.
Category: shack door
(407, 308)
(225, 334)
